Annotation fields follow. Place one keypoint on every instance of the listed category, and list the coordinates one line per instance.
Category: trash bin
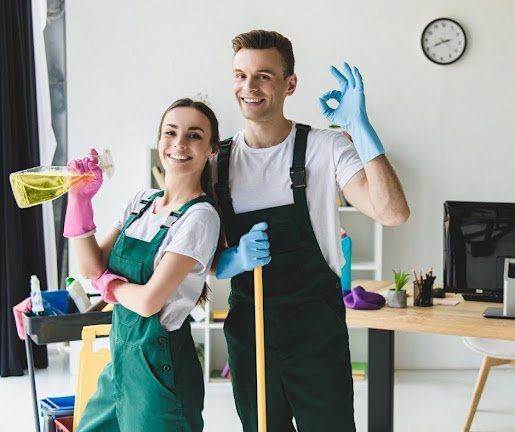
(64, 424)
(54, 407)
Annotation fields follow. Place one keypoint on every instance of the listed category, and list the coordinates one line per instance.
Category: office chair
(495, 353)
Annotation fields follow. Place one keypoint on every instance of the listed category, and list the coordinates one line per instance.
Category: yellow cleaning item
(91, 364)
(260, 348)
(45, 183)
(109, 307)
(32, 187)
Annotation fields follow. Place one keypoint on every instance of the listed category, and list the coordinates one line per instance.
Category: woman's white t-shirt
(195, 234)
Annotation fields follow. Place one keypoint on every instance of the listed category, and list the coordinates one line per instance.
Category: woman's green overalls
(308, 372)
(154, 382)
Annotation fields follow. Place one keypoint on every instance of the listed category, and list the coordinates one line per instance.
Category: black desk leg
(30, 366)
(381, 345)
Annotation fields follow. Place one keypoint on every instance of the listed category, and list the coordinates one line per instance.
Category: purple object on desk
(358, 298)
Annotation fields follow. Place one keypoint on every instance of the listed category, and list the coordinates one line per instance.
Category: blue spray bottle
(346, 276)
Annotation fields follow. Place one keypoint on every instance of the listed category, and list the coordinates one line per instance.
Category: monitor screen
(478, 236)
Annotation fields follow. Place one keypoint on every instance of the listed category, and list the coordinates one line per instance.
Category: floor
(424, 400)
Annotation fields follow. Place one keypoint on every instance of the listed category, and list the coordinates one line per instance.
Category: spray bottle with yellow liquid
(46, 183)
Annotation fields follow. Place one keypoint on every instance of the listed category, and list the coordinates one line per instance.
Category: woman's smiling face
(185, 141)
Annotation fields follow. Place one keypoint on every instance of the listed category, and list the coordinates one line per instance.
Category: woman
(153, 266)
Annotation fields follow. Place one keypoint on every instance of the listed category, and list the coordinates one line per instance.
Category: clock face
(443, 41)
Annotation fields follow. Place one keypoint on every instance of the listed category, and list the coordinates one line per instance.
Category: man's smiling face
(259, 83)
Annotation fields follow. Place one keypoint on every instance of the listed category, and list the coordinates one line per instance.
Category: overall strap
(298, 175)
(174, 216)
(143, 206)
(222, 190)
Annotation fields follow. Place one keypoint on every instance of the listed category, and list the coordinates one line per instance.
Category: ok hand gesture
(351, 110)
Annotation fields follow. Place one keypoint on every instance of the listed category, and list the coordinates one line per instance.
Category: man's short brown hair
(264, 39)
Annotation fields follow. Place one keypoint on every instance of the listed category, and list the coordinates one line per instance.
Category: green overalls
(308, 372)
(154, 382)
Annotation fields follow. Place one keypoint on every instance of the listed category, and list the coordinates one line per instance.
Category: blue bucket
(55, 302)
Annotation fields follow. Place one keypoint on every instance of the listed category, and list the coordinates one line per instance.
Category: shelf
(216, 325)
(224, 382)
(211, 325)
(197, 325)
(348, 209)
(62, 328)
(364, 265)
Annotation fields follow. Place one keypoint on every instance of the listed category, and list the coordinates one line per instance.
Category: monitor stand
(492, 312)
(508, 309)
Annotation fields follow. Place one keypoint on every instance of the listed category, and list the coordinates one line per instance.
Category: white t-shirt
(260, 178)
(195, 234)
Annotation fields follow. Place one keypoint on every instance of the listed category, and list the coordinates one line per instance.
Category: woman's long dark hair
(205, 178)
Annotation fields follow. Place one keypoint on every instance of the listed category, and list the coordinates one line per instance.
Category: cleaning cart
(43, 330)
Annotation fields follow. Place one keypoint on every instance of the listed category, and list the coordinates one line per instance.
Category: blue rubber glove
(351, 113)
(252, 251)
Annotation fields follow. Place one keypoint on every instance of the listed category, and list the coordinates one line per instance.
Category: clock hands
(441, 42)
(447, 44)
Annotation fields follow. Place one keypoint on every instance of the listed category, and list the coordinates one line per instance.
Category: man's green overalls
(308, 372)
(154, 382)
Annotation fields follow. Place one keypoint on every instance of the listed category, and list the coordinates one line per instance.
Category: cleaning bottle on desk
(78, 295)
(36, 298)
(45, 183)
(346, 278)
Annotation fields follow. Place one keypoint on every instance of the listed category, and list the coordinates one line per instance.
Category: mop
(260, 348)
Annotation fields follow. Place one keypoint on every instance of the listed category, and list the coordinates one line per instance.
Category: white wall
(448, 130)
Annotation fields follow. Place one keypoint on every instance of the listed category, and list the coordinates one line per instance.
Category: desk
(464, 319)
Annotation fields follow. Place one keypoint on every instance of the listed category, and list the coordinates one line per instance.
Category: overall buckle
(144, 206)
(298, 177)
(171, 219)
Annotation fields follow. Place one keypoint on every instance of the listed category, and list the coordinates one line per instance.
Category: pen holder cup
(423, 293)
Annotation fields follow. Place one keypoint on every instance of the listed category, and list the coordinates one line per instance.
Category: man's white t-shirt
(260, 178)
(194, 234)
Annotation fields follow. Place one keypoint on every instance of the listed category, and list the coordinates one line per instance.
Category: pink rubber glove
(102, 285)
(79, 212)
(18, 311)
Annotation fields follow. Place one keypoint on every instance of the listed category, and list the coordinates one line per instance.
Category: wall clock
(443, 41)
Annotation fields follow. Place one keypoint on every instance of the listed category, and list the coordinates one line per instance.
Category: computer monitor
(478, 237)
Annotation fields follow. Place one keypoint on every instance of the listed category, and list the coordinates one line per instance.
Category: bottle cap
(69, 280)
(34, 283)
(105, 162)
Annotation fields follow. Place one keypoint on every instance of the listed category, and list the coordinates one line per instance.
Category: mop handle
(260, 348)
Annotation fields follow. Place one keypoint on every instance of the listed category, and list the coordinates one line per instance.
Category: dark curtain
(22, 246)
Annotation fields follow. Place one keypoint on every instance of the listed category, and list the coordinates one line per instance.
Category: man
(276, 186)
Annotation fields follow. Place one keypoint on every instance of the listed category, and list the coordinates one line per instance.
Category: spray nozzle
(105, 162)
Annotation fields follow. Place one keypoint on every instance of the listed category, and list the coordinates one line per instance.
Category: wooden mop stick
(260, 348)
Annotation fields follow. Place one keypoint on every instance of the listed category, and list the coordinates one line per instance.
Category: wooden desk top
(464, 319)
